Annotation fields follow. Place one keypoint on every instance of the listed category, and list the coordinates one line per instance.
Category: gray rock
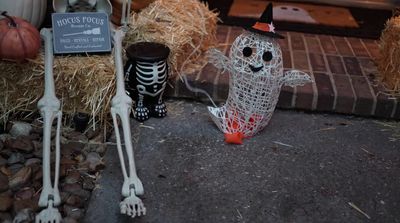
(24, 216)
(94, 162)
(32, 161)
(37, 185)
(20, 129)
(76, 189)
(28, 155)
(15, 158)
(80, 158)
(31, 204)
(36, 167)
(100, 138)
(72, 177)
(37, 145)
(5, 217)
(64, 196)
(21, 178)
(5, 153)
(21, 143)
(73, 212)
(88, 184)
(4, 137)
(15, 168)
(72, 148)
(76, 136)
(90, 133)
(5, 171)
(2, 161)
(99, 148)
(38, 153)
(6, 202)
(69, 220)
(75, 201)
(35, 136)
(25, 193)
(72, 188)
(67, 151)
(3, 182)
(38, 175)
(37, 126)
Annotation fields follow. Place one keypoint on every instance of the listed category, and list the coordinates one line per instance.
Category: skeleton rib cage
(151, 73)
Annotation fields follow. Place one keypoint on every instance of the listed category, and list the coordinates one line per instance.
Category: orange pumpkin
(19, 40)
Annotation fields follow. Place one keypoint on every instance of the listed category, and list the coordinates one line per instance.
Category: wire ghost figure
(256, 69)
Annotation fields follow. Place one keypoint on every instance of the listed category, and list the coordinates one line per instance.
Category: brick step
(343, 70)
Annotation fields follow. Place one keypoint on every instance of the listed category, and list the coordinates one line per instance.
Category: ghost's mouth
(255, 69)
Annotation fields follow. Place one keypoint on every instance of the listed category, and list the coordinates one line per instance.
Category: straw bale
(389, 62)
(187, 27)
(83, 84)
(87, 83)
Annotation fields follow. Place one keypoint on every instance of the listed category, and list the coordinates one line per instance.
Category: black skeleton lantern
(146, 75)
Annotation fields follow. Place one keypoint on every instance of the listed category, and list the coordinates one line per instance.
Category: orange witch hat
(264, 25)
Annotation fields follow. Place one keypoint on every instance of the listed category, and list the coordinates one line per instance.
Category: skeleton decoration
(49, 107)
(255, 65)
(146, 75)
(121, 107)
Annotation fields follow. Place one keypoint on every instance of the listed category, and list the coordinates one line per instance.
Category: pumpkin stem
(12, 21)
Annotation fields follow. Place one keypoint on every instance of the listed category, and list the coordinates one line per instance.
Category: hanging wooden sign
(87, 32)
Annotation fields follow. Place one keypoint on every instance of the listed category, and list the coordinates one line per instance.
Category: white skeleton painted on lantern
(255, 66)
(150, 74)
(49, 107)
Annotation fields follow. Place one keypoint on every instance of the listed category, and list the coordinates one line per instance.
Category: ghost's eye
(247, 51)
(267, 56)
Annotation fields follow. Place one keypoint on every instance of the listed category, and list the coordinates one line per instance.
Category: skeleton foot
(132, 206)
(160, 110)
(141, 114)
(49, 215)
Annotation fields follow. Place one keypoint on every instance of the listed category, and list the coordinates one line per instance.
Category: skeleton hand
(48, 215)
(132, 206)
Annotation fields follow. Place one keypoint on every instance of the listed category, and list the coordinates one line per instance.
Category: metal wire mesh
(255, 66)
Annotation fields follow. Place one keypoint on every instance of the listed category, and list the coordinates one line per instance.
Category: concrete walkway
(301, 168)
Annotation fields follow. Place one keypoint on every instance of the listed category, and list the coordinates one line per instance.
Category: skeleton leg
(141, 112)
(49, 107)
(121, 105)
(160, 109)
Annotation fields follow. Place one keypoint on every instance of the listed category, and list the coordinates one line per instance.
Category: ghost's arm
(218, 59)
(295, 77)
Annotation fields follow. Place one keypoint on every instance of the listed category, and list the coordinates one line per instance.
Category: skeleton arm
(219, 60)
(121, 107)
(295, 77)
(49, 107)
